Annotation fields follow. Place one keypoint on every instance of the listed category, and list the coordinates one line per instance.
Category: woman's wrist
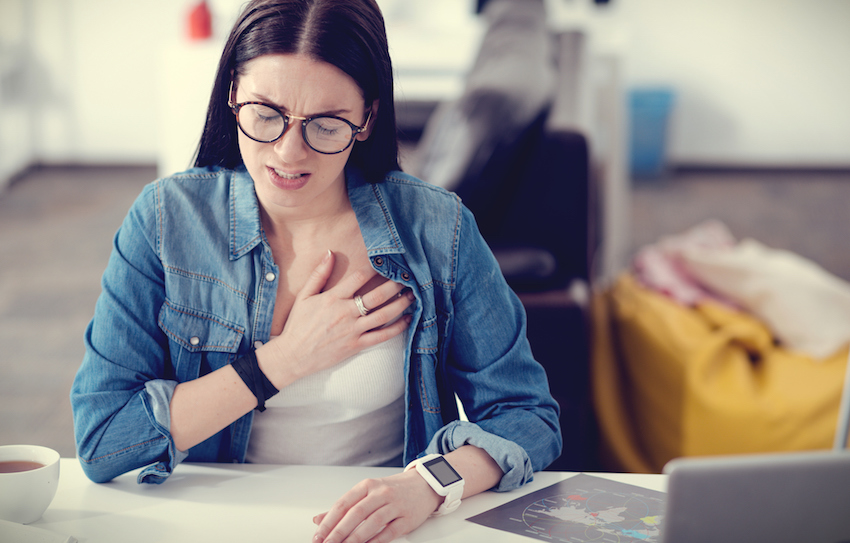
(249, 371)
(272, 362)
(435, 499)
(478, 469)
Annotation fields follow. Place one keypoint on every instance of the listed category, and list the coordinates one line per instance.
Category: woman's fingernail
(327, 256)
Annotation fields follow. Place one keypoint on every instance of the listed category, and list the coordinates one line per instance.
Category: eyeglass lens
(324, 134)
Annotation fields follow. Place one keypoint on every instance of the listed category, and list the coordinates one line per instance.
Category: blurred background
(97, 98)
(761, 83)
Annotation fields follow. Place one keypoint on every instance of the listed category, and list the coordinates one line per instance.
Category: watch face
(442, 471)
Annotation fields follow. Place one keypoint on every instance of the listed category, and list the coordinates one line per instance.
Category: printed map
(580, 509)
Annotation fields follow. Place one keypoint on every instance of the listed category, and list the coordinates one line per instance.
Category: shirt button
(194, 340)
(379, 261)
(258, 344)
(270, 277)
(405, 276)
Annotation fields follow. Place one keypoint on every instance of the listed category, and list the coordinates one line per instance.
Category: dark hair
(348, 34)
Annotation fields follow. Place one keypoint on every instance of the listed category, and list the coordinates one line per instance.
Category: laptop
(775, 497)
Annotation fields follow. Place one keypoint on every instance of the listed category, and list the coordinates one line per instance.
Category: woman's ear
(371, 115)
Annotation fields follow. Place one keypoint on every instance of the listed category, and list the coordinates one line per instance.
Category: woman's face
(288, 175)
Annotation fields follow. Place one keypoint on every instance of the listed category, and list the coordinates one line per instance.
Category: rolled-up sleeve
(511, 458)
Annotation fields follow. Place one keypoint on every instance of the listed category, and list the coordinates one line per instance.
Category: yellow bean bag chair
(670, 381)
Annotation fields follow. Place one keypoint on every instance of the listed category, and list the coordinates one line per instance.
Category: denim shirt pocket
(200, 342)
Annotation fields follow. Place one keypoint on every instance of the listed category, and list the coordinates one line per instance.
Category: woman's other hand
(378, 510)
(396, 505)
(325, 327)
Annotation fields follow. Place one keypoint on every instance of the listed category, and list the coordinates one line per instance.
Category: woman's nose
(291, 145)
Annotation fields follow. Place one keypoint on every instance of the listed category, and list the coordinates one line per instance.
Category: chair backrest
(526, 182)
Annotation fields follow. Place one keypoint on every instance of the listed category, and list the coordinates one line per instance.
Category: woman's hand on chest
(324, 325)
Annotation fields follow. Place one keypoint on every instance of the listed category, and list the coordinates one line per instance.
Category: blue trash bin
(649, 114)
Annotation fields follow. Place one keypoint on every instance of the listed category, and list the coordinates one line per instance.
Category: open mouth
(285, 175)
(287, 181)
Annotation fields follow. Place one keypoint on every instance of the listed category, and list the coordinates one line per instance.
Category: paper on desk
(583, 508)
(21, 533)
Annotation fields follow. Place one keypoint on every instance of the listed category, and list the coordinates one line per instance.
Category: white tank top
(351, 414)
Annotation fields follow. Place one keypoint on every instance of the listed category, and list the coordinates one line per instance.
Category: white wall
(759, 82)
(80, 78)
(16, 101)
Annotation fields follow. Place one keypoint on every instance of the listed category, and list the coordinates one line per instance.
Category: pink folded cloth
(806, 308)
(660, 266)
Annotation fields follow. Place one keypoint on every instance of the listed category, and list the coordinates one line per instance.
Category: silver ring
(358, 301)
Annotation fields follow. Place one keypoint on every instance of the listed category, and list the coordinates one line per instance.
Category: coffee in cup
(29, 475)
(14, 466)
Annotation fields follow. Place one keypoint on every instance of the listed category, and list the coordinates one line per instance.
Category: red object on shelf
(200, 22)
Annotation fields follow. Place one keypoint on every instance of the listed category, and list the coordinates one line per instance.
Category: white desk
(244, 502)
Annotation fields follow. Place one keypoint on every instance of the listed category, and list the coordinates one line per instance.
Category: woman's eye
(263, 114)
(325, 131)
(327, 127)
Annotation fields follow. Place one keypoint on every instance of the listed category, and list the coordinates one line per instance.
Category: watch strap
(452, 498)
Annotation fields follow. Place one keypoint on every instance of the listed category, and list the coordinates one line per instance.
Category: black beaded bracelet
(248, 369)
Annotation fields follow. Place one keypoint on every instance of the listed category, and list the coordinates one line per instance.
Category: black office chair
(529, 186)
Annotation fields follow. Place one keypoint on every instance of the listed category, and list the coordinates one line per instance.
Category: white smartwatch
(443, 478)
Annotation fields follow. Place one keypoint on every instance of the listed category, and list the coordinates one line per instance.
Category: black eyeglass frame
(235, 107)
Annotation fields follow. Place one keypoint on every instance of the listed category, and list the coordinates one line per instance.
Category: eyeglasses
(326, 134)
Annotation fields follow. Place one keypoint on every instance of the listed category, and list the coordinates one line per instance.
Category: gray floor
(56, 227)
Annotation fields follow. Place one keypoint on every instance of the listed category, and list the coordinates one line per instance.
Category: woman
(295, 283)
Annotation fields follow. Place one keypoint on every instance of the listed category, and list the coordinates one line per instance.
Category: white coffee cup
(25, 495)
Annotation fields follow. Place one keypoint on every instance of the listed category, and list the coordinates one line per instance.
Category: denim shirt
(190, 287)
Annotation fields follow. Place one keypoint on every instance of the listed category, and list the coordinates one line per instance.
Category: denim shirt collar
(246, 230)
(376, 225)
